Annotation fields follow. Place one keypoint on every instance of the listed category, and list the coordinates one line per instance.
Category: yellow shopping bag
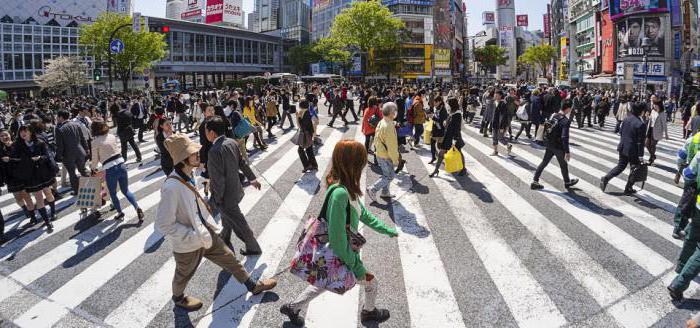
(453, 161)
(428, 131)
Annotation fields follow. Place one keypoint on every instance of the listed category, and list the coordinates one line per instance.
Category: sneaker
(378, 315)
(294, 316)
(571, 183)
(188, 303)
(536, 186)
(371, 194)
(264, 285)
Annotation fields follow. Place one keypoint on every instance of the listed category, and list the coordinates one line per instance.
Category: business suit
(630, 148)
(223, 165)
(125, 132)
(139, 114)
(71, 145)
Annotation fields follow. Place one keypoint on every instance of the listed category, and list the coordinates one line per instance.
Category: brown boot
(264, 285)
(188, 303)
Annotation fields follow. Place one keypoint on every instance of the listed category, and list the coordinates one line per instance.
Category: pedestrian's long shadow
(101, 244)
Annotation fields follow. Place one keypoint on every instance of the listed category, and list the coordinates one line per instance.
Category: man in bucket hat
(185, 218)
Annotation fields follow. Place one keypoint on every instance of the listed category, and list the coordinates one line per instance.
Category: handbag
(427, 132)
(314, 260)
(405, 130)
(638, 173)
(243, 128)
(89, 192)
(373, 121)
(521, 113)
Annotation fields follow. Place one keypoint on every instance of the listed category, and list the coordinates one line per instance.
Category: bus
(323, 78)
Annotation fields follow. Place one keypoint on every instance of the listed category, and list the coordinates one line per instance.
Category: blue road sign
(116, 46)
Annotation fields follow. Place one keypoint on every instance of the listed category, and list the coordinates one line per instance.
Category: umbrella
(3, 95)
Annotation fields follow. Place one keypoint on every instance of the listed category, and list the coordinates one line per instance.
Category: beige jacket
(103, 148)
(178, 220)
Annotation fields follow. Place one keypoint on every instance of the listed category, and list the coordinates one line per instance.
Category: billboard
(442, 58)
(622, 8)
(443, 29)
(676, 19)
(215, 11)
(320, 4)
(408, 2)
(608, 42)
(488, 17)
(505, 4)
(233, 12)
(521, 20)
(61, 12)
(631, 31)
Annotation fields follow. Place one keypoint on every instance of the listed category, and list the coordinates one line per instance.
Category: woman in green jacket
(348, 162)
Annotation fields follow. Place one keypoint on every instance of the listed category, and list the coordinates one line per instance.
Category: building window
(18, 61)
(188, 46)
(177, 46)
(220, 49)
(7, 61)
(38, 64)
(248, 52)
(239, 51)
(199, 48)
(229, 50)
(256, 52)
(210, 48)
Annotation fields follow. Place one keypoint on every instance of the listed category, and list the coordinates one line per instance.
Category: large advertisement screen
(622, 8)
(443, 29)
(631, 32)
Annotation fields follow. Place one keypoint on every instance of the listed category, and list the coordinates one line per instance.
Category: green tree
(141, 49)
(331, 50)
(302, 56)
(539, 56)
(365, 26)
(490, 56)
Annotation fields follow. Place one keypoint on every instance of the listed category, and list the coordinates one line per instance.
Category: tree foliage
(490, 56)
(366, 25)
(301, 56)
(540, 56)
(140, 49)
(331, 50)
(63, 73)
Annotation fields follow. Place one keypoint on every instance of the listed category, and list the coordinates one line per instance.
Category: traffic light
(97, 74)
(165, 29)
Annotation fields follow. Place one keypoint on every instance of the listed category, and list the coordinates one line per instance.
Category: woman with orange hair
(348, 162)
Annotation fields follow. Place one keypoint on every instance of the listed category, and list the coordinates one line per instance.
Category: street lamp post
(109, 52)
(646, 45)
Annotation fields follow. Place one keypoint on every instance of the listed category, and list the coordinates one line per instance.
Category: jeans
(117, 175)
(388, 174)
(563, 165)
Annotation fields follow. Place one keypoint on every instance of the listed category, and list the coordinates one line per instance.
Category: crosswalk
(476, 251)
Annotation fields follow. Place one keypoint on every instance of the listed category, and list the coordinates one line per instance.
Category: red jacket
(366, 128)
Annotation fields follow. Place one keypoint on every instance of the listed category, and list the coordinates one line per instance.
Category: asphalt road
(481, 250)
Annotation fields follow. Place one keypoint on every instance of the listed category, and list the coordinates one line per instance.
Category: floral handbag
(315, 262)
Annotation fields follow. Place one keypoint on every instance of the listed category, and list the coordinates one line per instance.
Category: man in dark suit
(72, 145)
(630, 148)
(223, 165)
(337, 104)
(125, 131)
(138, 111)
(500, 123)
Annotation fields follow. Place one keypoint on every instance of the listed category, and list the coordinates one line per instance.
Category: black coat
(166, 161)
(440, 115)
(44, 170)
(124, 121)
(453, 132)
(501, 119)
(632, 134)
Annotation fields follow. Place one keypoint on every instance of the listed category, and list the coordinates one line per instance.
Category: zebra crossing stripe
(526, 299)
(274, 240)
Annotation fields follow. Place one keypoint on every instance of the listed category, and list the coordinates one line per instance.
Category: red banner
(545, 24)
(215, 11)
(522, 20)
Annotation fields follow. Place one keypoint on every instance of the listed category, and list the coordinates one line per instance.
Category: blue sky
(534, 8)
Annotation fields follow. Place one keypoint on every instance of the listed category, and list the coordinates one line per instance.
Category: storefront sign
(622, 8)
(608, 49)
(676, 18)
(522, 20)
(488, 17)
(547, 27)
(442, 58)
(677, 45)
(192, 13)
(654, 69)
(407, 2)
(215, 11)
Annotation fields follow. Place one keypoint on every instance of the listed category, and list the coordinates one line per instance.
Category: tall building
(268, 14)
(174, 8)
(583, 20)
(295, 20)
(416, 62)
(322, 14)
(254, 22)
(37, 30)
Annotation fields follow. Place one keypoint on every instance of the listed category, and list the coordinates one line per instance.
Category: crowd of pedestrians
(83, 136)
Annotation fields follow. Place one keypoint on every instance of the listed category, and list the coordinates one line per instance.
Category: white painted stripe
(597, 281)
(50, 310)
(631, 212)
(274, 241)
(648, 305)
(431, 301)
(330, 309)
(526, 299)
(42, 265)
(68, 221)
(634, 249)
(611, 145)
(283, 163)
(144, 304)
